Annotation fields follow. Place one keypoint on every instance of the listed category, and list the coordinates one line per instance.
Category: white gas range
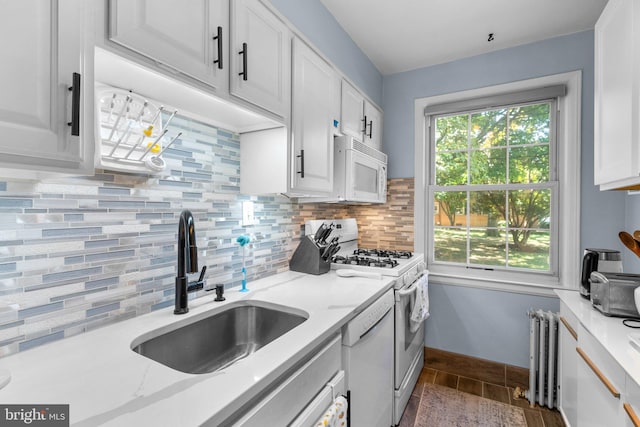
(407, 267)
(393, 263)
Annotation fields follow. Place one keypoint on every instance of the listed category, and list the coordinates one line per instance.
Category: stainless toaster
(612, 293)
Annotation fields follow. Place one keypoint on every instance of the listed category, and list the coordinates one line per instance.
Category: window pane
(488, 246)
(529, 124)
(450, 208)
(450, 244)
(529, 164)
(529, 208)
(488, 209)
(489, 129)
(534, 254)
(451, 133)
(489, 166)
(451, 168)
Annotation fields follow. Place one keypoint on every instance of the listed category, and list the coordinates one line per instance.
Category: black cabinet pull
(243, 52)
(75, 105)
(370, 129)
(219, 38)
(365, 125)
(301, 156)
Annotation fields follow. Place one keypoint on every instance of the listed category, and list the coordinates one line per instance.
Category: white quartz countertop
(609, 331)
(106, 383)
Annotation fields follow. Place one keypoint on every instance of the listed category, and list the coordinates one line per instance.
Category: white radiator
(543, 358)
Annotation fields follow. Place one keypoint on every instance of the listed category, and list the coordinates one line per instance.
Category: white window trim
(568, 161)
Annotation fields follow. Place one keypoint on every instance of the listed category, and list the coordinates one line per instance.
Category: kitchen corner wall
(82, 252)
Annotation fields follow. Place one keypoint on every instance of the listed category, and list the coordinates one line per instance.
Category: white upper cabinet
(260, 57)
(316, 97)
(617, 96)
(360, 118)
(191, 37)
(352, 111)
(373, 126)
(239, 47)
(45, 126)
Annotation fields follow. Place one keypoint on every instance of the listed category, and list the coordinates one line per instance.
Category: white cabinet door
(260, 57)
(568, 384)
(601, 383)
(373, 126)
(617, 152)
(352, 111)
(191, 37)
(43, 44)
(316, 89)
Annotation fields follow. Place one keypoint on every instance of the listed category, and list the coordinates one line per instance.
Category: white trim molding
(568, 162)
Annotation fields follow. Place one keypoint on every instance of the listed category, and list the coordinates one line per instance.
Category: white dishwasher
(367, 356)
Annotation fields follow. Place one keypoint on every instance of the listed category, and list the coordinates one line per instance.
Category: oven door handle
(409, 291)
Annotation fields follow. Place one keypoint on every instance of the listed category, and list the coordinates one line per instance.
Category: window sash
(553, 228)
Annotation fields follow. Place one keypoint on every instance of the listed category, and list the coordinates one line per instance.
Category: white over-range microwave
(360, 172)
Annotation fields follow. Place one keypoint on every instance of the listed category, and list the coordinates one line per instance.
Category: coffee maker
(602, 260)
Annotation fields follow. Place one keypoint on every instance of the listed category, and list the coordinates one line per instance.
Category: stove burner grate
(367, 261)
(383, 253)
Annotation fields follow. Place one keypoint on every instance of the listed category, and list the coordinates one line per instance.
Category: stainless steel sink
(214, 342)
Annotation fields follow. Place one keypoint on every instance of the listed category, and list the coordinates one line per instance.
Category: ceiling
(401, 35)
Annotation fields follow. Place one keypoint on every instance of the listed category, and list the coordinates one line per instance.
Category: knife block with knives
(313, 254)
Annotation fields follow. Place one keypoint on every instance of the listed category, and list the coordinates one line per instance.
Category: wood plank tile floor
(536, 416)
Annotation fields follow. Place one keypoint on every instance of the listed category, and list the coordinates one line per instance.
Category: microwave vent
(369, 151)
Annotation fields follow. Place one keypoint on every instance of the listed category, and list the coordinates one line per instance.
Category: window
(497, 187)
(494, 184)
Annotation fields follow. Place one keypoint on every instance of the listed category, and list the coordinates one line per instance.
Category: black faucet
(187, 262)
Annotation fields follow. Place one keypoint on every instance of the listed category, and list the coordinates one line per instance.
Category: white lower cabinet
(601, 382)
(297, 392)
(568, 384)
(595, 389)
(631, 403)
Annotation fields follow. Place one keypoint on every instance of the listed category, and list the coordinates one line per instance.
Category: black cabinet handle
(243, 52)
(365, 125)
(370, 129)
(75, 105)
(219, 38)
(301, 156)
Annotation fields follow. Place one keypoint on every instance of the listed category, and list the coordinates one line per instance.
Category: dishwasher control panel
(368, 318)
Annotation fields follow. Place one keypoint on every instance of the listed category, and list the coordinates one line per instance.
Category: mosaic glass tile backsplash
(80, 252)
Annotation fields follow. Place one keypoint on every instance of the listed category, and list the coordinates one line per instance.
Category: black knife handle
(243, 52)
(75, 105)
(301, 156)
(219, 39)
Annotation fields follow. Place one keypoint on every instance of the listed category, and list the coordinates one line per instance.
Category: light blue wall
(492, 325)
(477, 322)
(322, 29)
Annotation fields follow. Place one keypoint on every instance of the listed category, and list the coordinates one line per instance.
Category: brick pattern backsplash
(388, 226)
(77, 253)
